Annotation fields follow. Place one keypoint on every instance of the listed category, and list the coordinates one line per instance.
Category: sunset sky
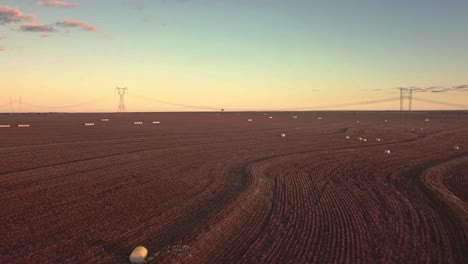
(232, 54)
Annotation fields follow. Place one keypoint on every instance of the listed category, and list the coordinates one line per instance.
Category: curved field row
(376, 226)
(171, 203)
(217, 189)
(456, 181)
(450, 209)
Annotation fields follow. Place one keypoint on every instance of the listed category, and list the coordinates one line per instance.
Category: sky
(197, 55)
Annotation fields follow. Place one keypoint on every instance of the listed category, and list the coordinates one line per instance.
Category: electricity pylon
(406, 94)
(121, 92)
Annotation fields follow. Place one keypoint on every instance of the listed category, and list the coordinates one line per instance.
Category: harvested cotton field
(218, 188)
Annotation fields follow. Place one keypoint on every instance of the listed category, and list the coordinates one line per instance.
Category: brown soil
(215, 188)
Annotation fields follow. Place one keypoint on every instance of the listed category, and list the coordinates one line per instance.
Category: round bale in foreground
(283, 135)
(138, 255)
(456, 147)
(387, 151)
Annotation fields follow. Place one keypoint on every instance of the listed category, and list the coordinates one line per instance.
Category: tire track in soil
(375, 254)
(240, 179)
(452, 225)
(183, 229)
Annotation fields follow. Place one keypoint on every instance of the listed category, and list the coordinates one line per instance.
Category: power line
(63, 106)
(122, 106)
(177, 104)
(264, 109)
(442, 103)
(346, 105)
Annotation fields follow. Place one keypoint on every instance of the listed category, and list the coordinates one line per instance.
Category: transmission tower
(121, 92)
(406, 94)
(11, 106)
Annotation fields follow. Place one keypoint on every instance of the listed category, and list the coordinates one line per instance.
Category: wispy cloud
(57, 3)
(138, 4)
(9, 15)
(37, 27)
(72, 23)
(437, 89)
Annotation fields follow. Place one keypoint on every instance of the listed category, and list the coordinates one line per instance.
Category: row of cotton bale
(20, 125)
(107, 120)
(141, 123)
(363, 139)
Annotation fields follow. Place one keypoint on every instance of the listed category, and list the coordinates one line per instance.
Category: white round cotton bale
(456, 147)
(378, 139)
(364, 139)
(138, 255)
(346, 137)
(250, 120)
(283, 135)
(387, 151)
